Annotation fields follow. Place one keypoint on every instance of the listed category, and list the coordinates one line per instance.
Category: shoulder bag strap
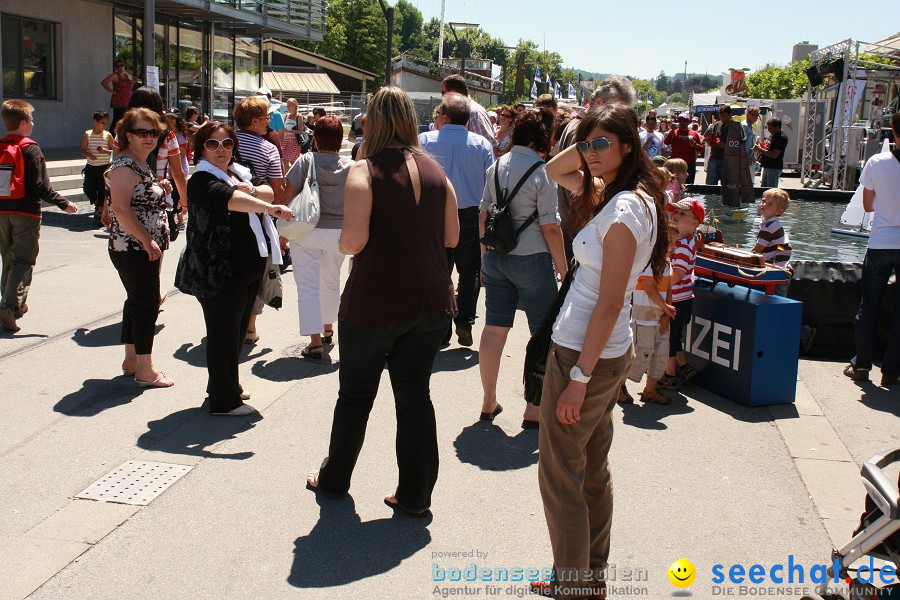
(311, 175)
(499, 195)
(534, 216)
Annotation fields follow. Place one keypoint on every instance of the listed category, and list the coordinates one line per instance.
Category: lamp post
(503, 74)
(389, 15)
(453, 28)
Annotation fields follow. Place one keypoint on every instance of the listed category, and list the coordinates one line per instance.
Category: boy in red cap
(687, 216)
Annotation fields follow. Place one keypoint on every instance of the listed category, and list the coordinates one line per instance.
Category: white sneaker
(244, 410)
(245, 395)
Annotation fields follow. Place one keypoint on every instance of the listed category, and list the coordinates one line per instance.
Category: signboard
(744, 344)
(153, 77)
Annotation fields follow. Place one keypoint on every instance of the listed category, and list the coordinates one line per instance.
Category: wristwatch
(253, 191)
(576, 374)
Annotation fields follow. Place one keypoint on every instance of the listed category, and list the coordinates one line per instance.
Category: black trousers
(227, 315)
(140, 276)
(467, 259)
(94, 187)
(692, 173)
(408, 349)
(683, 311)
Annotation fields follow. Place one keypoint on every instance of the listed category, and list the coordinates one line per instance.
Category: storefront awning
(313, 83)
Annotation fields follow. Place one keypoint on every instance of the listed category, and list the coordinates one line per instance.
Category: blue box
(744, 344)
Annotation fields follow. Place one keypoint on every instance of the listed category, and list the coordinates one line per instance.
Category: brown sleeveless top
(402, 272)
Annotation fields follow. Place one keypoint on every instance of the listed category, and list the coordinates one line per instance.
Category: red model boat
(719, 262)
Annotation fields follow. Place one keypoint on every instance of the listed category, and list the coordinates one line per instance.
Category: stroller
(877, 536)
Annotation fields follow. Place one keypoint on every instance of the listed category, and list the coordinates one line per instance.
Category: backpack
(499, 233)
(12, 167)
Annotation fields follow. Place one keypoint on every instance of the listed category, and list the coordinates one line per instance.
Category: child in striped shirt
(772, 241)
(651, 312)
(687, 216)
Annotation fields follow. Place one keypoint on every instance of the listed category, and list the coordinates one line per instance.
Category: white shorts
(651, 352)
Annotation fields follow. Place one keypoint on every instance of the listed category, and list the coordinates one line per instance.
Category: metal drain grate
(135, 482)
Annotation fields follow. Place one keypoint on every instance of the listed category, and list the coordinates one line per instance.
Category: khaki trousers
(19, 248)
(574, 473)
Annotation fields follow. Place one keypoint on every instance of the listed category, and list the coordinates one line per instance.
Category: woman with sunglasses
(138, 236)
(225, 256)
(506, 116)
(617, 210)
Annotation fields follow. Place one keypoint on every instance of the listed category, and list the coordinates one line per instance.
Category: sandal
(687, 373)
(328, 338)
(668, 382)
(856, 374)
(312, 483)
(160, 382)
(311, 352)
(392, 502)
(251, 338)
(655, 398)
(624, 396)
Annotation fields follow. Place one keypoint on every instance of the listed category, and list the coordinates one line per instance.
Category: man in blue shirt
(750, 138)
(465, 157)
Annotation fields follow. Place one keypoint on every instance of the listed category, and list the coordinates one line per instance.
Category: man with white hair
(614, 89)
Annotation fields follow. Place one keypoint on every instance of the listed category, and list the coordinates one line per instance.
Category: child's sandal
(655, 398)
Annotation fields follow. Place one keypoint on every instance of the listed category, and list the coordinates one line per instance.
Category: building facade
(55, 53)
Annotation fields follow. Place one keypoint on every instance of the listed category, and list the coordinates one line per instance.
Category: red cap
(695, 206)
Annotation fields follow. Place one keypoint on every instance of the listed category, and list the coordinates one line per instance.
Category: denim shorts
(511, 282)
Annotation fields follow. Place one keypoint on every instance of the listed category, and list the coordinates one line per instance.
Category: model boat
(733, 265)
(855, 222)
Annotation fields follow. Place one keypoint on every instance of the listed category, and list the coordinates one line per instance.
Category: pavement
(704, 479)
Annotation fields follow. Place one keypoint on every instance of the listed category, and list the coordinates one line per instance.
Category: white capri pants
(317, 266)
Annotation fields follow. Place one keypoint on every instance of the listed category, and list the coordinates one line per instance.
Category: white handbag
(305, 207)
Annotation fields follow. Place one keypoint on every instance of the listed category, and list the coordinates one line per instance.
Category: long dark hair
(635, 173)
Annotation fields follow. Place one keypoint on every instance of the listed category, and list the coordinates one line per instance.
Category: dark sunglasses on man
(600, 144)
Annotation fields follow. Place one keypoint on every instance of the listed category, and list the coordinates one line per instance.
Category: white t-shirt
(639, 215)
(656, 145)
(882, 174)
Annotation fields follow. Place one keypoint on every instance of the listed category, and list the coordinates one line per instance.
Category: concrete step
(60, 168)
(66, 182)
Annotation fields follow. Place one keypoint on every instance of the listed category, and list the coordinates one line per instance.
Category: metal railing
(308, 14)
(426, 67)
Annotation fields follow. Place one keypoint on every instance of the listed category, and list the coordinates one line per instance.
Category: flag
(534, 93)
(649, 98)
(549, 83)
(571, 93)
(556, 90)
(640, 96)
(537, 74)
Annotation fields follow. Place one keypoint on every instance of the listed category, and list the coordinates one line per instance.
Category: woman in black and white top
(225, 256)
(138, 236)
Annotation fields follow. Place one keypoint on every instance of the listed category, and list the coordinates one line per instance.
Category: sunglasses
(145, 133)
(213, 145)
(506, 115)
(600, 144)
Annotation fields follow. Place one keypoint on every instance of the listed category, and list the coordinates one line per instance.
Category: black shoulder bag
(500, 235)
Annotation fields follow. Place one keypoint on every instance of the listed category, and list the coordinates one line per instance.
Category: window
(29, 58)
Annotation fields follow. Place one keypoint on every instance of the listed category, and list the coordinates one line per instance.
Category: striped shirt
(643, 310)
(259, 154)
(684, 257)
(775, 242)
(96, 141)
(480, 123)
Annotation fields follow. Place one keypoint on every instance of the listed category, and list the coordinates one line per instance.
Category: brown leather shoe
(8, 319)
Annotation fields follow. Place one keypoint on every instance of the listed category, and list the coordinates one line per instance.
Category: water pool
(808, 224)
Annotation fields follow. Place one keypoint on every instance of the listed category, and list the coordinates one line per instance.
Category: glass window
(29, 58)
(223, 77)
(127, 43)
(246, 61)
(190, 69)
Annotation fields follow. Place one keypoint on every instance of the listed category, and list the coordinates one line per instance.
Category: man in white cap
(276, 120)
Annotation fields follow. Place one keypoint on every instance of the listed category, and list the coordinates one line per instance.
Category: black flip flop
(413, 513)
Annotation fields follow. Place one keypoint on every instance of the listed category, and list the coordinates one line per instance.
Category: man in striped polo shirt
(251, 114)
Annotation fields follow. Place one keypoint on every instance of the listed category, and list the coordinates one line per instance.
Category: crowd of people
(594, 199)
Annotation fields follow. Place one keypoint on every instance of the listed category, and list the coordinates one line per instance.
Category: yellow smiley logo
(682, 573)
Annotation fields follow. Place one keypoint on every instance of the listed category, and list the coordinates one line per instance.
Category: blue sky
(641, 39)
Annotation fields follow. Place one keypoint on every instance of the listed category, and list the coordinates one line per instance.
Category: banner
(571, 91)
(537, 74)
(534, 93)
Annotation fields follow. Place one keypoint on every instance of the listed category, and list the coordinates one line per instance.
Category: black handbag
(500, 235)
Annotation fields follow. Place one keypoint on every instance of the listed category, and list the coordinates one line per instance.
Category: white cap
(264, 91)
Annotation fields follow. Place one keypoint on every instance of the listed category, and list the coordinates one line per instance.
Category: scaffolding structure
(847, 64)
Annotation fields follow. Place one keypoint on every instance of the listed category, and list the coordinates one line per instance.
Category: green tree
(776, 82)
(408, 32)
(355, 33)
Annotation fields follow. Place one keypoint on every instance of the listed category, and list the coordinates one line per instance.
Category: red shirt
(680, 142)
